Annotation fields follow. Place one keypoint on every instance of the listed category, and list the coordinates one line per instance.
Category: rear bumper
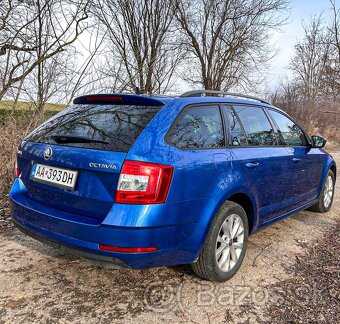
(104, 260)
(177, 244)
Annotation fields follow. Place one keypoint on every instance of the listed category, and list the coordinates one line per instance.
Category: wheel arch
(333, 169)
(246, 200)
(246, 203)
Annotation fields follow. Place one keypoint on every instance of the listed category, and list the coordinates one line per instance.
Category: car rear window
(103, 127)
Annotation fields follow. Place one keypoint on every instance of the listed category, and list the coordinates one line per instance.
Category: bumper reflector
(126, 249)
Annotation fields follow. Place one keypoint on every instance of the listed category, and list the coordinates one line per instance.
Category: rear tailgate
(96, 182)
(88, 143)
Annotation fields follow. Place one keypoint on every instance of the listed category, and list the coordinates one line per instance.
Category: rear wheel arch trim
(253, 219)
(249, 207)
(333, 169)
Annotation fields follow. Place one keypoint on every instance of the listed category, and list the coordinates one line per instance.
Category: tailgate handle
(252, 165)
(296, 160)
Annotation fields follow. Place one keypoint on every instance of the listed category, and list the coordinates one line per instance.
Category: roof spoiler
(117, 98)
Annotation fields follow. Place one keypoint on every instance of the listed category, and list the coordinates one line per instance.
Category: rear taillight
(16, 168)
(143, 183)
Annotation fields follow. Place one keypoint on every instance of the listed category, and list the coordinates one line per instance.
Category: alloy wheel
(328, 191)
(229, 243)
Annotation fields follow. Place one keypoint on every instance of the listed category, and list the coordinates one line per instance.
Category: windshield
(103, 127)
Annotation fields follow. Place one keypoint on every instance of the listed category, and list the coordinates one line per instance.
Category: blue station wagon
(143, 181)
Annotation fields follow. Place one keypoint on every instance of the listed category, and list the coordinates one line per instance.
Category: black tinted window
(105, 127)
(236, 135)
(256, 125)
(289, 133)
(198, 127)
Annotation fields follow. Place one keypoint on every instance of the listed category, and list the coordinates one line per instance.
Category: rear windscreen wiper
(75, 139)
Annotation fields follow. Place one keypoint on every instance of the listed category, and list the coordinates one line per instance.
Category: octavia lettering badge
(102, 165)
(48, 153)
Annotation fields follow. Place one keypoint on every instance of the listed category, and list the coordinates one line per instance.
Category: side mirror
(318, 141)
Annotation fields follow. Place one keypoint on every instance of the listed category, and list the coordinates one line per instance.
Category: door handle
(296, 160)
(252, 165)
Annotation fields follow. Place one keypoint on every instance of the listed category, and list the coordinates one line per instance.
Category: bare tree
(15, 42)
(312, 94)
(311, 57)
(87, 75)
(332, 72)
(52, 82)
(139, 35)
(335, 28)
(316, 62)
(33, 33)
(227, 39)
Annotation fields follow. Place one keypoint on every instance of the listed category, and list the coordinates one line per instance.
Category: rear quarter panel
(202, 181)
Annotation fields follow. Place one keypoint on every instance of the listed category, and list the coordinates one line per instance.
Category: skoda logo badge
(47, 153)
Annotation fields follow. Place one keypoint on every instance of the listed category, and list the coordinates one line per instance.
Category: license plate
(54, 176)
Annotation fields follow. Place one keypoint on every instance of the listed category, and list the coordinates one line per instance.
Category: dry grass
(24, 105)
(14, 126)
(317, 118)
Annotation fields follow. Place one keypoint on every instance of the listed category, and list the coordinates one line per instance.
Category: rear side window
(236, 135)
(104, 127)
(258, 130)
(289, 133)
(198, 128)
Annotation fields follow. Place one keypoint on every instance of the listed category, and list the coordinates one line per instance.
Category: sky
(290, 34)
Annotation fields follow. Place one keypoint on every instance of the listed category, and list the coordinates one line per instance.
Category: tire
(218, 246)
(325, 201)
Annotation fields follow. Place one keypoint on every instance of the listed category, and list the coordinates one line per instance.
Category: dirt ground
(290, 273)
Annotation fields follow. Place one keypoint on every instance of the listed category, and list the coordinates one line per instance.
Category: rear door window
(236, 136)
(104, 127)
(198, 128)
(258, 129)
(289, 133)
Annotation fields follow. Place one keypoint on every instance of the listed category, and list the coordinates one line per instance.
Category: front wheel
(325, 201)
(225, 245)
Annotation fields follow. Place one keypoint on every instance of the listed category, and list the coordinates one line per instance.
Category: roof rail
(197, 93)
